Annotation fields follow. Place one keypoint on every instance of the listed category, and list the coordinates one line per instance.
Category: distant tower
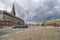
(13, 10)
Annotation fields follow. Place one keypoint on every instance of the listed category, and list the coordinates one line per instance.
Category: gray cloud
(37, 11)
(41, 10)
(8, 4)
(2, 6)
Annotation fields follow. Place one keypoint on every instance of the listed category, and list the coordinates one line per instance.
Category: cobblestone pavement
(37, 33)
(5, 31)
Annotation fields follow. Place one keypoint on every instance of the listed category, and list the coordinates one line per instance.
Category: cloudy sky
(33, 11)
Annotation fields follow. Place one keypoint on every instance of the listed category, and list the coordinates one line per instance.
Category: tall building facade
(9, 19)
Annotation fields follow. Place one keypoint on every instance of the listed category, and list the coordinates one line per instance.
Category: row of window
(9, 18)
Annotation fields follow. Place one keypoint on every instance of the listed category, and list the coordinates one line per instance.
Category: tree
(43, 24)
(38, 25)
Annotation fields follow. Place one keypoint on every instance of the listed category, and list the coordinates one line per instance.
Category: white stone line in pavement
(5, 35)
(8, 34)
(18, 31)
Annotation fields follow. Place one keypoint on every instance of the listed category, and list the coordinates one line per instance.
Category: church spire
(13, 10)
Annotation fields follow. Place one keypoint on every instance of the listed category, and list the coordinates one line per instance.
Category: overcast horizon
(33, 11)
